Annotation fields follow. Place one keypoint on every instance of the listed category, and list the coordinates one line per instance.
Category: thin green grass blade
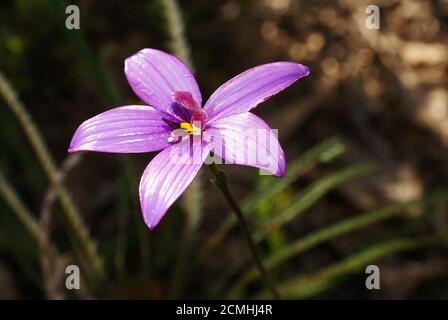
(311, 195)
(308, 286)
(336, 230)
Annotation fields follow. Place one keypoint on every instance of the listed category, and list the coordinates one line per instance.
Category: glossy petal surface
(167, 176)
(154, 75)
(128, 129)
(245, 139)
(248, 89)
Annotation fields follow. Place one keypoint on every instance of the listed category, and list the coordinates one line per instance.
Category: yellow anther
(186, 126)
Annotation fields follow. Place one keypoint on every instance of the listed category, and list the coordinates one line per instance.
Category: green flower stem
(336, 230)
(323, 152)
(222, 183)
(298, 205)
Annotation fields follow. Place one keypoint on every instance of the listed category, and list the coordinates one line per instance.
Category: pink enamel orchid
(174, 122)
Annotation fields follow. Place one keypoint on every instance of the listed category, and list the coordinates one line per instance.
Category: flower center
(191, 118)
(184, 129)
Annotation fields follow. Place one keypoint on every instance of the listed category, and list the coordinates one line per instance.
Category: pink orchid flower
(174, 121)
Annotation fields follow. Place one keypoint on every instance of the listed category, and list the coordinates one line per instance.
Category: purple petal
(129, 129)
(248, 89)
(154, 75)
(245, 139)
(167, 176)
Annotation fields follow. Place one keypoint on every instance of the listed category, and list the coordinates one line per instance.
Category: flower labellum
(175, 123)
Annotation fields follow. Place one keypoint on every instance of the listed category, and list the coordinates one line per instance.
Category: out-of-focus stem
(18, 207)
(192, 199)
(223, 185)
(90, 257)
(28, 221)
(50, 276)
(176, 29)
